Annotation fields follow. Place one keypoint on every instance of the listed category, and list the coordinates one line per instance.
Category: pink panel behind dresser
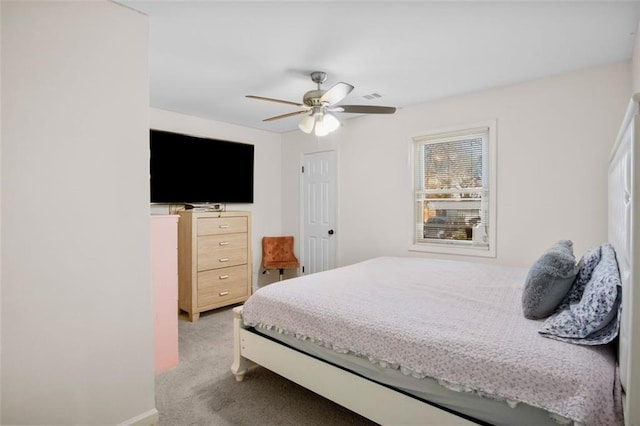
(164, 261)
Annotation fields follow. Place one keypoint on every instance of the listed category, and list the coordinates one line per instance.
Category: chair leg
(281, 273)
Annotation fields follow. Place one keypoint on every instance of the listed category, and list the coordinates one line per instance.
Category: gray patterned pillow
(549, 280)
(594, 318)
(586, 266)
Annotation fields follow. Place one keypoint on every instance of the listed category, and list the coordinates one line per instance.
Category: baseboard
(148, 418)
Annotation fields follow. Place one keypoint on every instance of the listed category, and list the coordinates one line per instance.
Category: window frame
(446, 246)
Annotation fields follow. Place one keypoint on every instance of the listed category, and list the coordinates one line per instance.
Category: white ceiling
(205, 56)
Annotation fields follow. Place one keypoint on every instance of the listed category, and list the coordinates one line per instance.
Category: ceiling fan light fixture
(321, 128)
(331, 122)
(307, 123)
(326, 123)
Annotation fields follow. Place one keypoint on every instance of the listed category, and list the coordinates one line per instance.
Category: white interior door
(319, 212)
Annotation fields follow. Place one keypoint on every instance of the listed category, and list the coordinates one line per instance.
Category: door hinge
(303, 269)
(302, 169)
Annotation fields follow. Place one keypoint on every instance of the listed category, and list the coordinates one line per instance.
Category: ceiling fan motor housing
(312, 97)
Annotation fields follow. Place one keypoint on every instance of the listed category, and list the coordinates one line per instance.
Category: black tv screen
(189, 170)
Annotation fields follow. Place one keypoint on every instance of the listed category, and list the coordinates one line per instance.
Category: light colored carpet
(202, 391)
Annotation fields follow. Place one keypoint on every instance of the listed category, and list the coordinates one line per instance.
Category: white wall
(0, 218)
(266, 210)
(76, 286)
(553, 139)
(635, 64)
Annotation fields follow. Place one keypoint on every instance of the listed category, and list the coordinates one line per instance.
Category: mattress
(459, 324)
(479, 409)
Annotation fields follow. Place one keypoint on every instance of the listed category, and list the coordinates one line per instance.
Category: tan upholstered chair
(277, 253)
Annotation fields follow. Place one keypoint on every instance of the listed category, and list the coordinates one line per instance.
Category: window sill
(455, 250)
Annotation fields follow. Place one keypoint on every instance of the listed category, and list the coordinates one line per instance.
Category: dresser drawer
(221, 225)
(221, 251)
(220, 285)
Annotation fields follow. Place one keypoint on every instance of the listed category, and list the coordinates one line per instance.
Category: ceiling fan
(320, 105)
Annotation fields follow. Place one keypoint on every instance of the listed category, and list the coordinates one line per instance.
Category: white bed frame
(624, 235)
(386, 406)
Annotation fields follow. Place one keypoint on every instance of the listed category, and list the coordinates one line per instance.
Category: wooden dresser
(214, 260)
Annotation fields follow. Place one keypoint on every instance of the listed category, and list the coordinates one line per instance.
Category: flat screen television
(192, 170)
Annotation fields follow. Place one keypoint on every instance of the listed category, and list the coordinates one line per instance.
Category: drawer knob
(223, 277)
(224, 226)
(224, 243)
(223, 259)
(223, 293)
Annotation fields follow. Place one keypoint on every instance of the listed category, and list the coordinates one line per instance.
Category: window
(454, 191)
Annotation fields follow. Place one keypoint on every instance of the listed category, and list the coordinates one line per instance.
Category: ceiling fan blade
(364, 109)
(337, 93)
(262, 98)
(291, 114)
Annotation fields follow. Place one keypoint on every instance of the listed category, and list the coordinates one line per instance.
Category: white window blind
(452, 189)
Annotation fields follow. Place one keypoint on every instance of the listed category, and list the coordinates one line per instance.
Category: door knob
(330, 231)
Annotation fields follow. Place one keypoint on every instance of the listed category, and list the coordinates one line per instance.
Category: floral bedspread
(458, 322)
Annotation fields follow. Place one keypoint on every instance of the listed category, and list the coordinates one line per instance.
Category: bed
(496, 373)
